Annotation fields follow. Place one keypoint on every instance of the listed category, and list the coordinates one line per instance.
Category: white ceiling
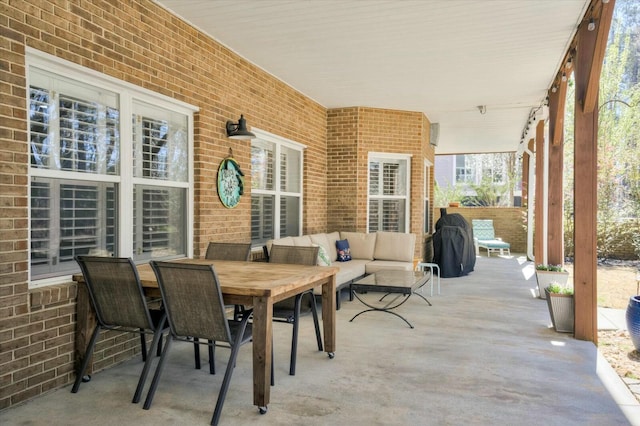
(439, 57)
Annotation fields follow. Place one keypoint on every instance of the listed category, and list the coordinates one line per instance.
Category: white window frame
(280, 142)
(468, 178)
(427, 202)
(127, 93)
(407, 197)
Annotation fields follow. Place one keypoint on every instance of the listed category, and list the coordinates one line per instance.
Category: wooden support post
(525, 178)
(555, 237)
(590, 54)
(540, 231)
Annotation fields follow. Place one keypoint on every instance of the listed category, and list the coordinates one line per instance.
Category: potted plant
(632, 315)
(546, 274)
(561, 307)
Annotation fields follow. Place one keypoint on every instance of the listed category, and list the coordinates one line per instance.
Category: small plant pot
(544, 278)
(633, 320)
(561, 310)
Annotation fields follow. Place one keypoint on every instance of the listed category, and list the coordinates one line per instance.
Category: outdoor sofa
(370, 252)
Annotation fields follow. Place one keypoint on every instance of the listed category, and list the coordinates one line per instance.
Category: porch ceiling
(442, 58)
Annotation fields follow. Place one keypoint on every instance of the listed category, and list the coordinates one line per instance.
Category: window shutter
(40, 223)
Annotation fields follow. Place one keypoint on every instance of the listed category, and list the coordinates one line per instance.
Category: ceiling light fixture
(239, 130)
(564, 77)
(592, 25)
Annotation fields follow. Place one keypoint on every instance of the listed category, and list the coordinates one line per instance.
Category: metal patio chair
(289, 309)
(224, 251)
(195, 309)
(229, 251)
(120, 304)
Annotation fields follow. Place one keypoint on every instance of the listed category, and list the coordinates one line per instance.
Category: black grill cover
(453, 245)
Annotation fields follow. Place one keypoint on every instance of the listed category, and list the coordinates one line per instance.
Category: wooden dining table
(260, 285)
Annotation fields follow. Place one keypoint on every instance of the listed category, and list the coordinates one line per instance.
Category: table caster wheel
(262, 410)
(331, 355)
(86, 378)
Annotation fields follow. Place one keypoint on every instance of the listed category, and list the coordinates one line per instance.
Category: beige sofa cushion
(322, 241)
(384, 265)
(395, 246)
(285, 241)
(302, 241)
(348, 271)
(362, 245)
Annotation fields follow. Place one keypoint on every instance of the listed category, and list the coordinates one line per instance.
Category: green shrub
(550, 268)
(556, 288)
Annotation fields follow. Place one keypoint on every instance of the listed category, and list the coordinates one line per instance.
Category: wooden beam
(555, 214)
(540, 231)
(585, 194)
(525, 179)
(603, 24)
(557, 102)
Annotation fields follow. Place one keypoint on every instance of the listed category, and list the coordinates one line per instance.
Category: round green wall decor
(230, 182)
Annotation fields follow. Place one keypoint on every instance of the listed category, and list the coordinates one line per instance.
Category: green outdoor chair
(484, 237)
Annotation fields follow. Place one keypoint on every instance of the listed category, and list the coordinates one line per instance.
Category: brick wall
(342, 169)
(353, 133)
(140, 43)
(508, 223)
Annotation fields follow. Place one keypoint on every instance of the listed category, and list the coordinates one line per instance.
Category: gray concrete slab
(483, 354)
(611, 319)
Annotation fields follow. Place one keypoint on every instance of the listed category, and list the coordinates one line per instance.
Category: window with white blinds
(95, 178)
(389, 189)
(276, 188)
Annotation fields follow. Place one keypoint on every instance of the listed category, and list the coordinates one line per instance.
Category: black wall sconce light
(239, 130)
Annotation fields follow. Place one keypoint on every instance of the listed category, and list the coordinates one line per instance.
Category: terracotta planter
(544, 278)
(561, 310)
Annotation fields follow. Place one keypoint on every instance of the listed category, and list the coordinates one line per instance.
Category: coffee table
(398, 286)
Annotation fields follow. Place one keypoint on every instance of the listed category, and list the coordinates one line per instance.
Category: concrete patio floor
(483, 354)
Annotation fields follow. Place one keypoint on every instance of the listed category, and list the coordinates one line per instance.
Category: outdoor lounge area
(484, 353)
(134, 129)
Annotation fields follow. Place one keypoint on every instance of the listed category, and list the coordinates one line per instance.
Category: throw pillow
(344, 252)
(323, 257)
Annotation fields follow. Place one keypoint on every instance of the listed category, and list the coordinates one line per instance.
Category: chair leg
(235, 348)
(316, 322)
(196, 352)
(86, 359)
(294, 338)
(212, 357)
(157, 374)
(147, 365)
(143, 345)
(238, 312)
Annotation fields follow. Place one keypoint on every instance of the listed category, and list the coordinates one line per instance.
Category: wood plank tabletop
(249, 279)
